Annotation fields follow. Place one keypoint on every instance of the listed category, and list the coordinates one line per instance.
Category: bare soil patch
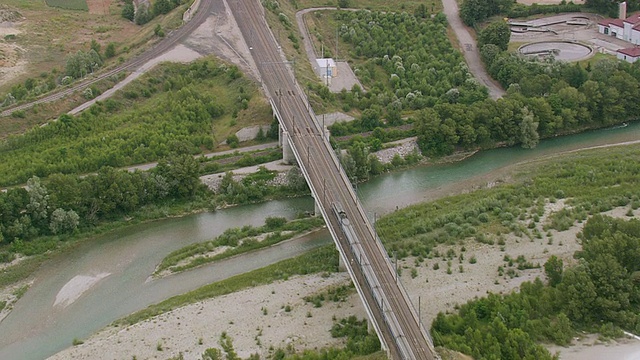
(98, 7)
(11, 62)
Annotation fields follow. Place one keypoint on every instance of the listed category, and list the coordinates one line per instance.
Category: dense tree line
(545, 98)
(359, 162)
(144, 14)
(258, 186)
(601, 294)
(178, 118)
(473, 12)
(610, 7)
(62, 203)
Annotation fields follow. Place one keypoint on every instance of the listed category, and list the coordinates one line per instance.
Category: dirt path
(470, 52)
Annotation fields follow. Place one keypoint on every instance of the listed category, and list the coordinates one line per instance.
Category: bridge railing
(405, 294)
(380, 298)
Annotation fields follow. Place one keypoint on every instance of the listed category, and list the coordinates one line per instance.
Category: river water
(79, 292)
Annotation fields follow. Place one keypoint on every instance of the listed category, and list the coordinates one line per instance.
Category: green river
(77, 293)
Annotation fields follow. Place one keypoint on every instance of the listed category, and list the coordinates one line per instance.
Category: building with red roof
(627, 29)
(629, 54)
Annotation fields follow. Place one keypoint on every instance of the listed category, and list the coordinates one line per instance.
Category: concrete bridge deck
(390, 311)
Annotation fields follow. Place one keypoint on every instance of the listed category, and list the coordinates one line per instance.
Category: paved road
(470, 49)
(366, 260)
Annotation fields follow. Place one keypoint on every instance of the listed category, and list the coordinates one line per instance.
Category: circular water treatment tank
(561, 50)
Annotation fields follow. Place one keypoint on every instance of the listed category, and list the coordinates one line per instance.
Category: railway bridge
(388, 306)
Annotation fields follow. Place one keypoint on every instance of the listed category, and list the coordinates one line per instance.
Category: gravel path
(470, 49)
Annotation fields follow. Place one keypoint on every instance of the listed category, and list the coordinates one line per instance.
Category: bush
(272, 223)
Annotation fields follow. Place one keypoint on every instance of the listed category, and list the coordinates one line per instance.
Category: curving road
(164, 45)
(470, 49)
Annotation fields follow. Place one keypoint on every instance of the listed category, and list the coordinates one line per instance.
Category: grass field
(68, 4)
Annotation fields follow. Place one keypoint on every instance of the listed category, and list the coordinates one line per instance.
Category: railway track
(388, 305)
(172, 39)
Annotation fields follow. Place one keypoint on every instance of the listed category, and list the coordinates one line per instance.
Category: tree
(497, 33)
(63, 221)
(157, 31)
(162, 7)
(212, 354)
(82, 63)
(421, 11)
(607, 7)
(37, 208)
(182, 173)
(360, 154)
(110, 50)
(143, 15)
(344, 3)
(128, 11)
(347, 163)
(295, 179)
(370, 118)
(95, 46)
(553, 270)
(488, 53)
(528, 130)
(472, 11)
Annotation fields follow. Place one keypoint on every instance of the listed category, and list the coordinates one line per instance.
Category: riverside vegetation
(599, 293)
(237, 241)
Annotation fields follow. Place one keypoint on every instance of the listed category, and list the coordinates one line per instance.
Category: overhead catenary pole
(336, 57)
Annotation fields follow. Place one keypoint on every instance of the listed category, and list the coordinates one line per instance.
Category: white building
(327, 68)
(629, 54)
(627, 29)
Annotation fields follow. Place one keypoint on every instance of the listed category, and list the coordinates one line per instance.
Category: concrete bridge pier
(287, 153)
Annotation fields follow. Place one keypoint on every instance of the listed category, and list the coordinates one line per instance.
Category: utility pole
(337, 31)
(323, 126)
(327, 75)
(395, 255)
